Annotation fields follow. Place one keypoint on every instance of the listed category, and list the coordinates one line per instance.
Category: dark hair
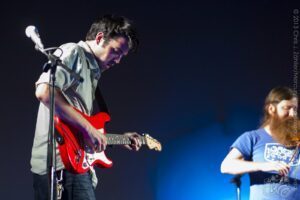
(113, 26)
(275, 96)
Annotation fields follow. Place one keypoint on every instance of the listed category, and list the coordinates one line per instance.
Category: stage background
(197, 82)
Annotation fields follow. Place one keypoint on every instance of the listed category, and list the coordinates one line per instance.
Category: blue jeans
(76, 187)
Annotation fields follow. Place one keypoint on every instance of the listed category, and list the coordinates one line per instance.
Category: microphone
(32, 33)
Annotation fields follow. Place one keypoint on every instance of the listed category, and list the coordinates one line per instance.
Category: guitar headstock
(152, 143)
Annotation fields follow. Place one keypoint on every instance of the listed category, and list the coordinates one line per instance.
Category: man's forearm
(237, 166)
(62, 109)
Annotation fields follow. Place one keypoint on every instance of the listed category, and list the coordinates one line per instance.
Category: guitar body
(72, 148)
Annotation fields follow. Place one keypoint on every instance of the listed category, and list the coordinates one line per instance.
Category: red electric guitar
(79, 157)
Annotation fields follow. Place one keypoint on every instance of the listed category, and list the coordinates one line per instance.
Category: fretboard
(116, 139)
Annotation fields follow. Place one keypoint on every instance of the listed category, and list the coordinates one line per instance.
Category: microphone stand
(237, 181)
(52, 64)
(51, 157)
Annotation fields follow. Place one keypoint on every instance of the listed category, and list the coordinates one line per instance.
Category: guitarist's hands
(99, 140)
(135, 141)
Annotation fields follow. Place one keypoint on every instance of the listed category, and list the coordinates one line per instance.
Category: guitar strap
(98, 95)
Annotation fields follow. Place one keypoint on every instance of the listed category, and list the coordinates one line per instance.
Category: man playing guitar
(107, 42)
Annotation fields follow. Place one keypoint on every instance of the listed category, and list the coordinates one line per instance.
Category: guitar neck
(116, 139)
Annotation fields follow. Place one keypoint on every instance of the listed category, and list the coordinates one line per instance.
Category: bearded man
(270, 154)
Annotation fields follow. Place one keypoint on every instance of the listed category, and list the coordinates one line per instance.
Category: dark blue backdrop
(197, 83)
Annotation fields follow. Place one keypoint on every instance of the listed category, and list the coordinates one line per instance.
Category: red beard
(286, 131)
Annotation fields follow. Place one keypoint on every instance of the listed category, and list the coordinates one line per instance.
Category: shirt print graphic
(275, 152)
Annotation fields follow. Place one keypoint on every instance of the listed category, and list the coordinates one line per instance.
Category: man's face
(286, 108)
(284, 123)
(110, 52)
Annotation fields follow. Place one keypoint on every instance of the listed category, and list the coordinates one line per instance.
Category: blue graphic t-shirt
(259, 146)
